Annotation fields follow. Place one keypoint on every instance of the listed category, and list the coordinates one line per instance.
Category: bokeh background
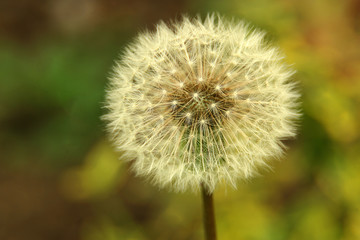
(61, 179)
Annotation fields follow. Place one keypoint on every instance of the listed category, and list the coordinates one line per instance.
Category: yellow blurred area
(99, 173)
(335, 111)
(104, 228)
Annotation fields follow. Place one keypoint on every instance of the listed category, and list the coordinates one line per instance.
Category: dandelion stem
(208, 214)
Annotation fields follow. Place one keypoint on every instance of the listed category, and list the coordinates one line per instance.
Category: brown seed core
(199, 103)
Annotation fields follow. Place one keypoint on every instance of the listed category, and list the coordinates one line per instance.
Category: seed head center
(199, 102)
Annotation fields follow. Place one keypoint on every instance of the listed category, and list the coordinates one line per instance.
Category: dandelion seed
(219, 130)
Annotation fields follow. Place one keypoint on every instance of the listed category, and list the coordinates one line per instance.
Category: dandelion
(198, 102)
(201, 102)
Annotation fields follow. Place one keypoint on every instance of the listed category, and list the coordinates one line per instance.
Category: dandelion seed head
(201, 102)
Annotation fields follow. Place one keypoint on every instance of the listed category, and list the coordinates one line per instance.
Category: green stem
(208, 214)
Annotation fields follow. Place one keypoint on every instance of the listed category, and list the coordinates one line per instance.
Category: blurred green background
(60, 178)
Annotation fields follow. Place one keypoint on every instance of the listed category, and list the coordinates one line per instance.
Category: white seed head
(201, 102)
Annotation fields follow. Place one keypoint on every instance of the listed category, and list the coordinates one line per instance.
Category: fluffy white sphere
(201, 102)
